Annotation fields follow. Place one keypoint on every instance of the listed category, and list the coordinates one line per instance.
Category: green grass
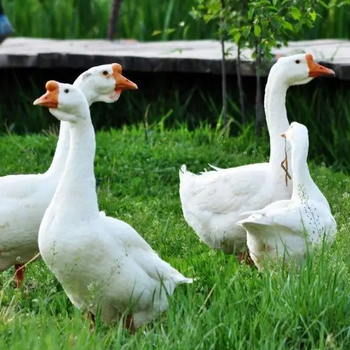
(138, 20)
(89, 19)
(230, 306)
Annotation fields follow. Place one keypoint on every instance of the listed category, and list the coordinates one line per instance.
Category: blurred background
(171, 100)
(144, 20)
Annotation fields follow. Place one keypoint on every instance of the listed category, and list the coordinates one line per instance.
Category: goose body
(102, 262)
(22, 207)
(218, 206)
(284, 228)
(213, 201)
(24, 198)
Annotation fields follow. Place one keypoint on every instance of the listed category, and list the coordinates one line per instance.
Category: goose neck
(276, 116)
(62, 148)
(86, 89)
(76, 192)
(302, 181)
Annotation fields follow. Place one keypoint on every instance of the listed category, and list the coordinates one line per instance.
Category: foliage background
(138, 20)
(173, 99)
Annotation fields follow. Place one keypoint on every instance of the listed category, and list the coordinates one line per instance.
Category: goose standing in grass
(285, 227)
(102, 262)
(24, 198)
(212, 201)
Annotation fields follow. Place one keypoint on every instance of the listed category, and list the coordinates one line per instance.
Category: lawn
(231, 306)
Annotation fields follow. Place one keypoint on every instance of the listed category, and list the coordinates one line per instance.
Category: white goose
(24, 198)
(101, 262)
(212, 201)
(283, 228)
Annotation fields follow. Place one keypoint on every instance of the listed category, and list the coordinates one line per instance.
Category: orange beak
(121, 82)
(50, 98)
(317, 70)
(283, 135)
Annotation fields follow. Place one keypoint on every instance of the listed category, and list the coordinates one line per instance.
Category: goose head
(299, 69)
(103, 83)
(65, 101)
(297, 134)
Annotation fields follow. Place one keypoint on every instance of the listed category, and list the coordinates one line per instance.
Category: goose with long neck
(303, 185)
(288, 71)
(213, 201)
(101, 262)
(284, 228)
(102, 83)
(24, 198)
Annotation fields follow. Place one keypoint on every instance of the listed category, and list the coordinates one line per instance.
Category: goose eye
(66, 91)
(105, 72)
(297, 61)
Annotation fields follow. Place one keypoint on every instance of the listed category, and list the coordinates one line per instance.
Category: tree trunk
(113, 19)
(240, 86)
(244, 10)
(259, 107)
(223, 85)
(223, 69)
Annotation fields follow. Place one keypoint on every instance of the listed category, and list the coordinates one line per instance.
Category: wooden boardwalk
(200, 56)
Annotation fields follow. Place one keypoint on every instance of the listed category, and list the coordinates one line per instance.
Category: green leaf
(262, 3)
(208, 18)
(313, 15)
(276, 23)
(156, 32)
(288, 26)
(250, 13)
(257, 30)
(295, 13)
(233, 31)
(236, 38)
(271, 8)
(246, 31)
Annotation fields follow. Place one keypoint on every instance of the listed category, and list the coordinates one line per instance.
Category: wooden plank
(197, 56)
